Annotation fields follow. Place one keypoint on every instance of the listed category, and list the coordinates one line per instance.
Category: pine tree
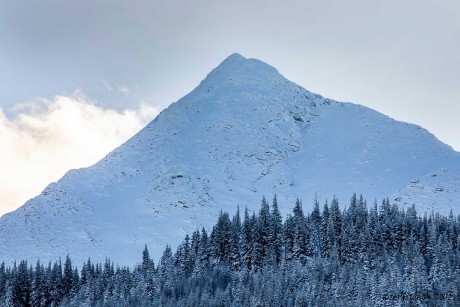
(301, 245)
(258, 248)
(3, 280)
(235, 242)
(195, 244)
(186, 261)
(264, 231)
(37, 286)
(315, 228)
(326, 241)
(148, 269)
(336, 219)
(67, 279)
(22, 284)
(203, 254)
(146, 261)
(10, 297)
(75, 282)
(247, 241)
(46, 286)
(56, 285)
(289, 238)
(220, 238)
(276, 234)
(166, 271)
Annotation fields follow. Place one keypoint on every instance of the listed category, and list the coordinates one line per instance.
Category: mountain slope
(244, 132)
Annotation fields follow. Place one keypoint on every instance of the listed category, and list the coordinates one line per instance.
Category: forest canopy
(362, 255)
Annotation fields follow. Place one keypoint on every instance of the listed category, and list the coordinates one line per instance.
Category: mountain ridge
(244, 132)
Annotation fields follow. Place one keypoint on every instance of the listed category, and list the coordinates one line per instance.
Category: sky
(78, 78)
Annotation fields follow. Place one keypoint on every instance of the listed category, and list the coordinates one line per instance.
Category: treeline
(359, 256)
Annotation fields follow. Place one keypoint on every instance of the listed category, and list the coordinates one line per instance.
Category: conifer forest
(363, 255)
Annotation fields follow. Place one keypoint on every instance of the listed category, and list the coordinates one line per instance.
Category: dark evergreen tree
(67, 278)
(37, 285)
(220, 238)
(315, 228)
(257, 248)
(147, 263)
(301, 244)
(22, 284)
(326, 240)
(289, 238)
(275, 244)
(247, 241)
(235, 242)
(3, 279)
(336, 219)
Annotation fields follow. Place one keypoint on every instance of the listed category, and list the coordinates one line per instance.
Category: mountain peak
(235, 57)
(238, 68)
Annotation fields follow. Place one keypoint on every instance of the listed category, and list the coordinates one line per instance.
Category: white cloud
(46, 138)
(124, 90)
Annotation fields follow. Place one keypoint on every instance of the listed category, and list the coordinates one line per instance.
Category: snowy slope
(244, 132)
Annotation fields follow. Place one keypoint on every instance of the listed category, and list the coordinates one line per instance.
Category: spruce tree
(67, 278)
(247, 241)
(276, 234)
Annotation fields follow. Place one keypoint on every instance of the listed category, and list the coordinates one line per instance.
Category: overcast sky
(77, 78)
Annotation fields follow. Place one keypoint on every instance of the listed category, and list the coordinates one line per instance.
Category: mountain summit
(244, 132)
(239, 67)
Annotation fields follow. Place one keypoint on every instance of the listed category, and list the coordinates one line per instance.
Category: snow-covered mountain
(244, 132)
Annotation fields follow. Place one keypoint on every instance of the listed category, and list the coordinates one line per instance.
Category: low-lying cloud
(46, 138)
